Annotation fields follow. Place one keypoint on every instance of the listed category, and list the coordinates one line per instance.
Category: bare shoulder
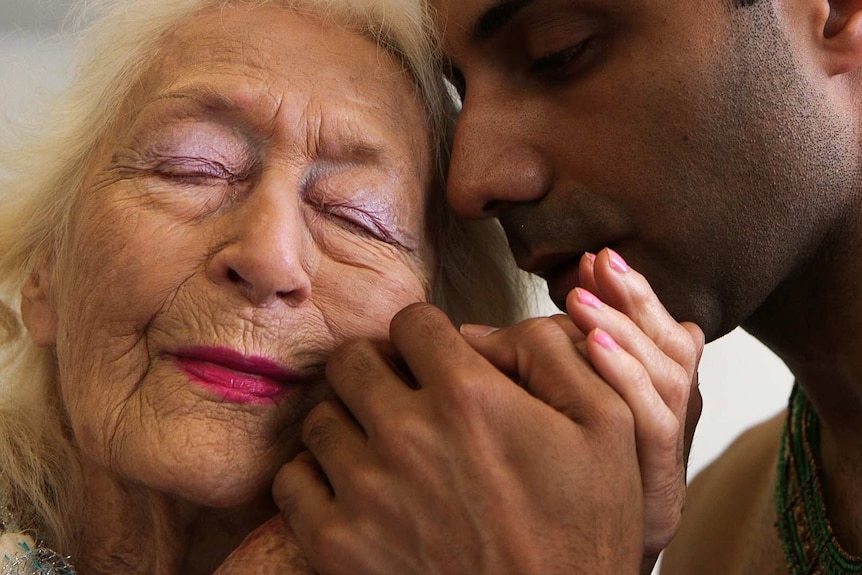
(727, 526)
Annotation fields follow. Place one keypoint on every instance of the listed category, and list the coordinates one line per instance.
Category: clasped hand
(529, 449)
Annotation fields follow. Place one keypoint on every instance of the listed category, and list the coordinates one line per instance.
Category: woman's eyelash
(558, 60)
(187, 168)
(360, 219)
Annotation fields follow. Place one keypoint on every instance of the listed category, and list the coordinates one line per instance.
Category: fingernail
(605, 340)
(587, 298)
(618, 263)
(591, 257)
(475, 330)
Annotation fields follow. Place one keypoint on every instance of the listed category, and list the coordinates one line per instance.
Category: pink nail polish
(605, 340)
(618, 264)
(587, 298)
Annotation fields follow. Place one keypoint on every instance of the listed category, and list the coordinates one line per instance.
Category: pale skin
(716, 146)
(264, 193)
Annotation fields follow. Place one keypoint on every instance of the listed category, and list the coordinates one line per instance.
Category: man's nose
(493, 165)
(266, 256)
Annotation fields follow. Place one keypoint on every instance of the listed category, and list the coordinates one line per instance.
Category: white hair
(476, 280)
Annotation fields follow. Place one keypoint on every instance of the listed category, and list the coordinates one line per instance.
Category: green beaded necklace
(810, 546)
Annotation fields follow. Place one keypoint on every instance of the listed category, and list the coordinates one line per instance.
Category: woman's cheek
(114, 288)
(361, 301)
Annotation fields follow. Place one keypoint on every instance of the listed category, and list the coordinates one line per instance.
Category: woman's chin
(227, 491)
(212, 482)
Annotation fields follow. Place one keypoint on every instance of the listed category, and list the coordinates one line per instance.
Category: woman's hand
(271, 549)
(656, 376)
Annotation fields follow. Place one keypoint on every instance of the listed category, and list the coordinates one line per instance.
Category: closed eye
(359, 221)
(194, 170)
(559, 62)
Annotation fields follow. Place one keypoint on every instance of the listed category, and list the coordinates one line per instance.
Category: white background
(741, 381)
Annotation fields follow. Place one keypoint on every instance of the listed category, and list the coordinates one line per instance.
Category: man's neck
(814, 323)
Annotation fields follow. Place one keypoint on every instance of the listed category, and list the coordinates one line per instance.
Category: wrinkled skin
(265, 191)
(271, 549)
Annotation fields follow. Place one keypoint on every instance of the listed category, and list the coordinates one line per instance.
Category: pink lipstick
(236, 377)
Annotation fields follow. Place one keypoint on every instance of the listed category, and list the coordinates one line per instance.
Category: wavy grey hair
(40, 178)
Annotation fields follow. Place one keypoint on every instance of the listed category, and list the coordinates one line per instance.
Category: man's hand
(469, 473)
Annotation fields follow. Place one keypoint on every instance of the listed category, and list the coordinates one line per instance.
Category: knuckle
(366, 482)
(284, 495)
(640, 379)
(696, 335)
(615, 415)
(676, 393)
(415, 313)
(404, 438)
(353, 356)
(668, 432)
(469, 401)
(687, 347)
(328, 539)
(425, 322)
(318, 427)
(543, 342)
(541, 329)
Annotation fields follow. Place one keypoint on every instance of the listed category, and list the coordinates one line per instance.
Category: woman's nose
(493, 165)
(266, 256)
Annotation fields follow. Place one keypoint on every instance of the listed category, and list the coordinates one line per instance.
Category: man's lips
(236, 377)
(562, 278)
(559, 270)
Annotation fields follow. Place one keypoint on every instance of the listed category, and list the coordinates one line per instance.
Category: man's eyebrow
(496, 17)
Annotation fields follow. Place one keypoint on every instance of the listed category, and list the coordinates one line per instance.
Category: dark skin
(716, 146)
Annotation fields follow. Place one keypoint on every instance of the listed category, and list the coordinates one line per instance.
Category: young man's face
(691, 136)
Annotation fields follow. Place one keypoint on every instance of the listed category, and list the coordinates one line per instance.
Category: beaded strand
(810, 545)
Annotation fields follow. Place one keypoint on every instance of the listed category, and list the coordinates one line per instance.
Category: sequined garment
(20, 554)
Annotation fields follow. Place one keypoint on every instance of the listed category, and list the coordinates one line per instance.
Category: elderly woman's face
(265, 202)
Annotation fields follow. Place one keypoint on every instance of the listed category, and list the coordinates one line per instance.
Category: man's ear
(37, 309)
(842, 36)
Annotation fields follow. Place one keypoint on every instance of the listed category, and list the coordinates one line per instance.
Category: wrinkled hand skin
(660, 385)
(269, 550)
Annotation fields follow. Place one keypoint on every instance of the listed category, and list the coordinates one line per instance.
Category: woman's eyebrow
(205, 97)
(345, 143)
